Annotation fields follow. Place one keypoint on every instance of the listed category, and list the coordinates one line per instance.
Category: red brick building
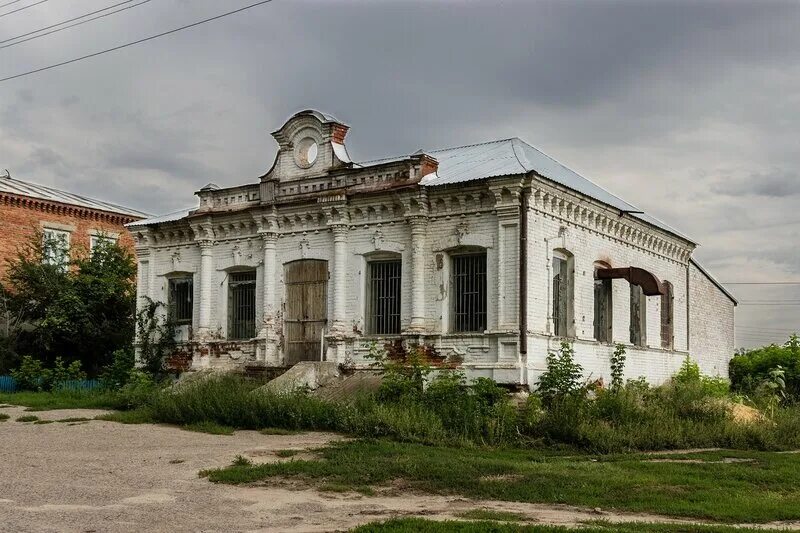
(77, 222)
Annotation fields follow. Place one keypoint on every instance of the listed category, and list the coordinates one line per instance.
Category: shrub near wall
(750, 369)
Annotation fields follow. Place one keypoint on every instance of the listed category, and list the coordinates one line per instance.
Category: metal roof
(33, 190)
(169, 217)
(505, 157)
(514, 156)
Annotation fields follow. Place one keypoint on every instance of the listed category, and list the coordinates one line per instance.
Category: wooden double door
(306, 314)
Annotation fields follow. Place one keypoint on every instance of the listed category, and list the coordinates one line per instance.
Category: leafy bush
(117, 374)
(748, 370)
(563, 375)
(689, 376)
(156, 337)
(618, 366)
(32, 375)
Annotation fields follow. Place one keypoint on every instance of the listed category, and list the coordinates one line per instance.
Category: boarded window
(603, 306)
(562, 294)
(638, 316)
(667, 316)
(383, 309)
(469, 292)
(242, 305)
(180, 299)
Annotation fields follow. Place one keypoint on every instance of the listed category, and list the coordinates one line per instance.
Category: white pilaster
(206, 273)
(339, 318)
(419, 229)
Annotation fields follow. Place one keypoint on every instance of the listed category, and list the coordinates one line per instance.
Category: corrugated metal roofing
(168, 217)
(505, 157)
(33, 190)
(515, 156)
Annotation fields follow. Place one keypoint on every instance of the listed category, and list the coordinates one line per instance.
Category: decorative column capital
(418, 223)
(340, 230)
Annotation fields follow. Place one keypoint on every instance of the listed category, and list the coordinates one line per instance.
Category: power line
(132, 43)
(766, 328)
(761, 283)
(70, 26)
(9, 3)
(23, 8)
(66, 21)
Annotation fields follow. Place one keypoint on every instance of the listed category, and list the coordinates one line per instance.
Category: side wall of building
(553, 228)
(711, 318)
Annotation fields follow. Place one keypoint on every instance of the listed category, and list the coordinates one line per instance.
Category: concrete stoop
(308, 375)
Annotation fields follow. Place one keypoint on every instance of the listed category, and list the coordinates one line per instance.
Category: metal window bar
(242, 305)
(180, 300)
(469, 283)
(384, 297)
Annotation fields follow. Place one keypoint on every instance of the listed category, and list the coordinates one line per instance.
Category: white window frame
(60, 256)
(96, 237)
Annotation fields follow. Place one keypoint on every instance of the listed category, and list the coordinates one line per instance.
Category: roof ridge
(424, 151)
(553, 159)
(79, 197)
(496, 141)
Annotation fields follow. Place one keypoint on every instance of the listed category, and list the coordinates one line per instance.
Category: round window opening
(307, 152)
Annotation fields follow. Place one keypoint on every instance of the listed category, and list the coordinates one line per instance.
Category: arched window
(603, 306)
(667, 316)
(563, 293)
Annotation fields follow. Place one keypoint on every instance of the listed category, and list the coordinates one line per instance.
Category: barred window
(667, 315)
(242, 305)
(469, 292)
(55, 247)
(383, 285)
(638, 324)
(180, 299)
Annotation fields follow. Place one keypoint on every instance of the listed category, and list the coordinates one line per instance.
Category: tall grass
(633, 418)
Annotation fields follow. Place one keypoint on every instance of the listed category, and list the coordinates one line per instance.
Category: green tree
(82, 311)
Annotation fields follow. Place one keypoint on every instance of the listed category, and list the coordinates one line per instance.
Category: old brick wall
(21, 218)
(711, 339)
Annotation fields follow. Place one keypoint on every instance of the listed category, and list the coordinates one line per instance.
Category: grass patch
(489, 514)
(135, 416)
(28, 418)
(209, 427)
(279, 431)
(64, 399)
(415, 525)
(4, 416)
(763, 491)
(39, 422)
(73, 419)
(287, 453)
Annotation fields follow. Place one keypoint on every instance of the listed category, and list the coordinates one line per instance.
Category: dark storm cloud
(690, 110)
(779, 184)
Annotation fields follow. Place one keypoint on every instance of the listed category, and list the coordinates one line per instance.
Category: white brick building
(491, 252)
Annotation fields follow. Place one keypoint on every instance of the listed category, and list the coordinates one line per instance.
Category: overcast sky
(689, 110)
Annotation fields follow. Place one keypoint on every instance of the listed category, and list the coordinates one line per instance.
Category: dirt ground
(105, 477)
